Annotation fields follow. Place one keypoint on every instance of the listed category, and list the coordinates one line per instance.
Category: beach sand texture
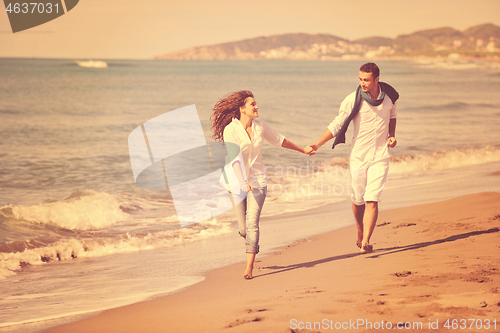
(431, 263)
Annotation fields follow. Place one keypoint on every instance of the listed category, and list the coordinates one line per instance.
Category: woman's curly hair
(225, 110)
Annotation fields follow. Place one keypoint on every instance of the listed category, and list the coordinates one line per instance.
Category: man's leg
(359, 213)
(369, 220)
(376, 179)
(358, 185)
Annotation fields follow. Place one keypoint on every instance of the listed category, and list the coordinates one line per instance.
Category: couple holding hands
(371, 109)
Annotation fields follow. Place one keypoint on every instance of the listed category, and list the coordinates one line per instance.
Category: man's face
(368, 84)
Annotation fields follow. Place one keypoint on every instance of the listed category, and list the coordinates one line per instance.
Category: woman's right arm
(238, 171)
(233, 151)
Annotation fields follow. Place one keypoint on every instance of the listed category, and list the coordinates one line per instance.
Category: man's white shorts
(368, 180)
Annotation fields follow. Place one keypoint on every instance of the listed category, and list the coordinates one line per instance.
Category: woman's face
(250, 109)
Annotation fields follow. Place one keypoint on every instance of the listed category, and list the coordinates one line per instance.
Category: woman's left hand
(245, 187)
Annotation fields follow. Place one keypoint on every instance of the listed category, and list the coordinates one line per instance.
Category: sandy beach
(435, 267)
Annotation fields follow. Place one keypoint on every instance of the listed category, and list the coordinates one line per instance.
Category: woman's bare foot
(250, 261)
(248, 274)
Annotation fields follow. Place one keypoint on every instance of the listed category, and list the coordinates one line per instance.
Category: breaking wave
(404, 164)
(83, 210)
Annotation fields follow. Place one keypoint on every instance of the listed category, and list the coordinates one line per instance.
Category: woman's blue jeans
(248, 215)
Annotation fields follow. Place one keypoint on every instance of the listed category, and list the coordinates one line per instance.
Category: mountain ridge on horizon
(478, 41)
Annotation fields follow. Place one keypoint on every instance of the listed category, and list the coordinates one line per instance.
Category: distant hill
(478, 41)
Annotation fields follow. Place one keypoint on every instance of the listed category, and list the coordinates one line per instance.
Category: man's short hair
(370, 67)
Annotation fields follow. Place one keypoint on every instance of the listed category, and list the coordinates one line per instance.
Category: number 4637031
(32, 8)
(470, 324)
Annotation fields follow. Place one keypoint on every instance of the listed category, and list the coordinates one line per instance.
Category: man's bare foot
(366, 248)
(359, 241)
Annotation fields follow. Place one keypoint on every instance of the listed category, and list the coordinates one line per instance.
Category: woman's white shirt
(251, 149)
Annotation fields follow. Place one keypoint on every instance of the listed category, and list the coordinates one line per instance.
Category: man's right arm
(336, 124)
(324, 139)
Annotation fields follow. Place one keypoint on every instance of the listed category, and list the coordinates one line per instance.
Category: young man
(372, 110)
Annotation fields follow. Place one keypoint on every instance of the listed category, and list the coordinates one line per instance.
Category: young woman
(234, 121)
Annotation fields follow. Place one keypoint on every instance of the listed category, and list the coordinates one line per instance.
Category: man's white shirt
(371, 128)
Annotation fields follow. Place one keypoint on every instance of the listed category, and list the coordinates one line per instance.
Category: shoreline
(461, 57)
(441, 262)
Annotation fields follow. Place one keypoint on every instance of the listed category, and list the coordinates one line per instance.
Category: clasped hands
(311, 149)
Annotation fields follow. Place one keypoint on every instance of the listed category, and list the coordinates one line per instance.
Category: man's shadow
(377, 254)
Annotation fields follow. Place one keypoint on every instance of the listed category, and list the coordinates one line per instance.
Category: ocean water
(77, 235)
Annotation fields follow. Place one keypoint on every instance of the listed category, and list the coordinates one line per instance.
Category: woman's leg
(241, 217)
(254, 203)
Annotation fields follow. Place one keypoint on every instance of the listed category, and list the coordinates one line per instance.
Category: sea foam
(83, 210)
(88, 248)
(405, 164)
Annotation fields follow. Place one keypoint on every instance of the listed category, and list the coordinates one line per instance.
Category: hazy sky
(104, 29)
